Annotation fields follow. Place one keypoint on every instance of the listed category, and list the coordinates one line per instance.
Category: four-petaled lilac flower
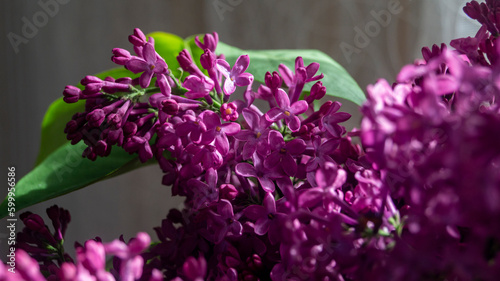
(303, 74)
(217, 131)
(266, 218)
(204, 193)
(235, 76)
(282, 153)
(224, 221)
(151, 64)
(198, 87)
(131, 261)
(265, 176)
(255, 137)
(287, 111)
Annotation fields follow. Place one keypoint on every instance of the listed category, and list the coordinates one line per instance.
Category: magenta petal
(145, 79)
(311, 197)
(211, 177)
(262, 226)
(149, 53)
(299, 107)
(222, 144)
(267, 184)
(269, 203)
(274, 114)
(254, 212)
(272, 160)
(225, 209)
(241, 65)
(296, 146)
(245, 170)
(282, 99)
(229, 87)
(137, 65)
(286, 74)
(164, 85)
(224, 67)
(289, 165)
(230, 129)
(245, 135)
(248, 150)
(276, 140)
(312, 69)
(293, 123)
(207, 137)
(210, 118)
(251, 117)
(244, 79)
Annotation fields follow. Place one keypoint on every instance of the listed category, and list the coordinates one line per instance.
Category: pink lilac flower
(266, 218)
(204, 192)
(131, 262)
(229, 111)
(198, 87)
(296, 82)
(256, 135)
(150, 65)
(217, 132)
(282, 154)
(287, 111)
(235, 76)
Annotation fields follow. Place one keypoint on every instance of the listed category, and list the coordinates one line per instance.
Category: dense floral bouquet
(274, 186)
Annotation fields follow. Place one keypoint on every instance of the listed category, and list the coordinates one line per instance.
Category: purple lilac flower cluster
(284, 193)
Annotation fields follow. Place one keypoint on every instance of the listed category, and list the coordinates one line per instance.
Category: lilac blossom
(282, 154)
(217, 132)
(266, 218)
(150, 65)
(235, 76)
(198, 87)
(256, 136)
(287, 111)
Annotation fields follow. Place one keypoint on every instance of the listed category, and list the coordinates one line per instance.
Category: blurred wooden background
(75, 38)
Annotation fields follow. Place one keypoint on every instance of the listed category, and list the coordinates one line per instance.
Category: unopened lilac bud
(318, 91)
(207, 59)
(90, 79)
(120, 56)
(170, 106)
(130, 128)
(325, 107)
(254, 262)
(138, 38)
(101, 148)
(209, 41)
(71, 127)
(274, 80)
(96, 117)
(228, 191)
(71, 94)
(229, 111)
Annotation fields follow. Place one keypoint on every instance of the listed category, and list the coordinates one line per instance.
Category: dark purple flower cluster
(281, 192)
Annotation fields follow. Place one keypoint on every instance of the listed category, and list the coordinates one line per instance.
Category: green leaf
(337, 80)
(64, 171)
(59, 113)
